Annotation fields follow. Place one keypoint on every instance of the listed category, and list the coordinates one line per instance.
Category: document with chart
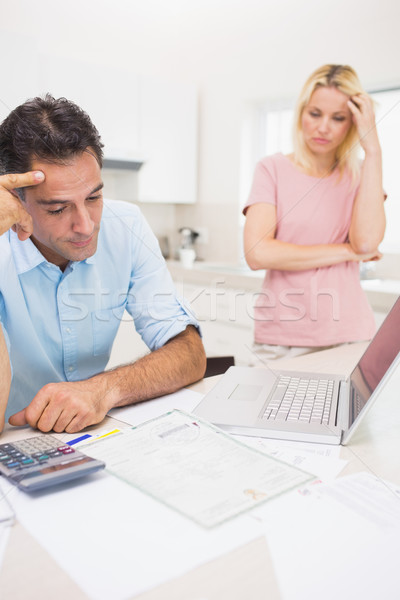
(195, 468)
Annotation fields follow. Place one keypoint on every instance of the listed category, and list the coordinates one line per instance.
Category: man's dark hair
(49, 129)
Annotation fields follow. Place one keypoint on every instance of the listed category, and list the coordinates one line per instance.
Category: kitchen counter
(228, 275)
(381, 293)
(222, 296)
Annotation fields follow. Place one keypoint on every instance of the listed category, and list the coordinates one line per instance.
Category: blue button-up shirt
(60, 326)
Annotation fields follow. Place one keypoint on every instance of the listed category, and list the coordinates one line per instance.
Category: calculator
(38, 462)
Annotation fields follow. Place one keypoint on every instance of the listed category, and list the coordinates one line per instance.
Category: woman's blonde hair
(345, 79)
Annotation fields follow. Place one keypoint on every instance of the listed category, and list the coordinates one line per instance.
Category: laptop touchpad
(246, 392)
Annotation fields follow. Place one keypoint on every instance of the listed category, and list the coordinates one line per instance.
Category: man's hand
(72, 406)
(69, 406)
(12, 211)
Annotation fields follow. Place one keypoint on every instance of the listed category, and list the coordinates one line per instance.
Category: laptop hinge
(342, 414)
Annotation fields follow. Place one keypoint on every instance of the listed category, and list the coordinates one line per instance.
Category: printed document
(195, 468)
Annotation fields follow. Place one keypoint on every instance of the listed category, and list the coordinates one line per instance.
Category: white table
(29, 572)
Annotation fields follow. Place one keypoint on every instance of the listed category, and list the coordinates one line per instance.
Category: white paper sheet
(116, 542)
(4, 534)
(319, 459)
(325, 548)
(112, 539)
(303, 448)
(7, 516)
(135, 414)
(195, 468)
(306, 456)
(370, 573)
(368, 496)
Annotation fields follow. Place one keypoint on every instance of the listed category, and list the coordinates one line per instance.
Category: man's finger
(18, 419)
(18, 180)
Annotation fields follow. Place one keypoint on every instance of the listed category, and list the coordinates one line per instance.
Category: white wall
(234, 51)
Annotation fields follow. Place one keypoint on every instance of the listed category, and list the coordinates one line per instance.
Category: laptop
(309, 407)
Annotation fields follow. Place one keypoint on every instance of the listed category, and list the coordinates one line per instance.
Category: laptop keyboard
(296, 399)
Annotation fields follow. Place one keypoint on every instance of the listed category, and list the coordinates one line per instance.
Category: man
(70, 264)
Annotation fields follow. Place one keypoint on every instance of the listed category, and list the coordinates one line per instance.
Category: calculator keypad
(32, 452)
(39, 462)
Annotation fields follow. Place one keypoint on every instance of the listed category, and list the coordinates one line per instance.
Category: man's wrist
(107, 386)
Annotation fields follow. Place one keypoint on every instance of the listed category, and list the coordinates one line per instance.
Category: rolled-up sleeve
(159, 314)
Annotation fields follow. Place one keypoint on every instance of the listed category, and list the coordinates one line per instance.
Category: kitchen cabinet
(168, 133)
(143, 122)
(128, 345)
(225, 316)
(109, 95)
(19, 72)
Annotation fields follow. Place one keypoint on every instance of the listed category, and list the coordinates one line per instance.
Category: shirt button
(68, 330)
(70, 369)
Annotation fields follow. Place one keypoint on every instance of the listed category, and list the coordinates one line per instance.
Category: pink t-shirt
(315, 307)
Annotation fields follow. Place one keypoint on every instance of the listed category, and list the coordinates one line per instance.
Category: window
(388, 124)
(268, 129)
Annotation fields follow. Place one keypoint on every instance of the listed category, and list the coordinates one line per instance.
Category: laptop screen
(375, 361)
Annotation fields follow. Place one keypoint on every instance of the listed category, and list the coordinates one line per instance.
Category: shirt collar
(28, 257)
(91, 260)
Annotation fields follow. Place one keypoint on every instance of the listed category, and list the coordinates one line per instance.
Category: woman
(313, 216)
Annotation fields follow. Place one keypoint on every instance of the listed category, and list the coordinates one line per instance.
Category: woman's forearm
(367, 226)
(368, 220)
(274, 254)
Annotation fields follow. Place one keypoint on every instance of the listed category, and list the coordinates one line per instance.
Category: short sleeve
(263, 188)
